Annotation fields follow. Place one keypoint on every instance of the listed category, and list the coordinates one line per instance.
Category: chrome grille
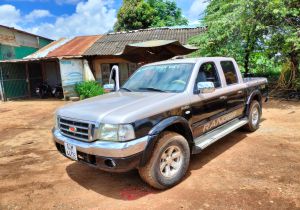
(74, 129)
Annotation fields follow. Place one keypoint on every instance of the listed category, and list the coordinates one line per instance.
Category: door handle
(240, 92)
(223, 97)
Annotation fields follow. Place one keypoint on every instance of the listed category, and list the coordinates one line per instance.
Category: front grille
(78, 130)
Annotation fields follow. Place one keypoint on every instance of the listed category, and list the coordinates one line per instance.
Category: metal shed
(20, 77)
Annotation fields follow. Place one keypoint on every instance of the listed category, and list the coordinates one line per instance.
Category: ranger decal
(219, 121)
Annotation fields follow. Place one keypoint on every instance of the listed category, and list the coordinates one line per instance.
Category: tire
(254, 116)
(168, 143)
(58, 95)
(41, 95)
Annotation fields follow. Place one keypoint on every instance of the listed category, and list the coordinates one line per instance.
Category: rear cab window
(229, 72)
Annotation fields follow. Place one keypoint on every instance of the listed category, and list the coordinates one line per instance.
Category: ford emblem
(72, 129)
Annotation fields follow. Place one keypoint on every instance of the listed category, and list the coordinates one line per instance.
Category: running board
(207, 139)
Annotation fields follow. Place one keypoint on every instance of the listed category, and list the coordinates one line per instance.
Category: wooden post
(28, 80)
(2, 91)
(58, 71)
(44, 76)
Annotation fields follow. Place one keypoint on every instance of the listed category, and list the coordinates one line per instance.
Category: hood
(122, 107)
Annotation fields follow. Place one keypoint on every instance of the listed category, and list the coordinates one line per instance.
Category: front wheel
(169, 161)
(254, 116)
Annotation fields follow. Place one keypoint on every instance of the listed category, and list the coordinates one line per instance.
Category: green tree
(283, 38)
(232, 30)
(140, 14)
(167, 13)
(134, 14)
(244, 29)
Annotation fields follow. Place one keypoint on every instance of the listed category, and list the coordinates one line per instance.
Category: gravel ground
(260, 170)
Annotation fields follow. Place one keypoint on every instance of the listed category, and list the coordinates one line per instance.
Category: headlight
(126, 132)
(109, 132)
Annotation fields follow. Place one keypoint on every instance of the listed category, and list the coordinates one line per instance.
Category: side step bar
(207, 139)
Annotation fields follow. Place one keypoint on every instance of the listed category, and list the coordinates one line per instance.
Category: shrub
(88, 89)
(296, 84)
(265, 67)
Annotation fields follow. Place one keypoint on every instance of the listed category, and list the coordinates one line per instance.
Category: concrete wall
(11, 52)
(17, 45)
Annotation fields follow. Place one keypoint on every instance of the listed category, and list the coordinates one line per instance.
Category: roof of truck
(191, 60)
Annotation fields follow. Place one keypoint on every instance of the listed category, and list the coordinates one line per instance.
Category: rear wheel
(58, 95)
(254, 116)
(169, 161)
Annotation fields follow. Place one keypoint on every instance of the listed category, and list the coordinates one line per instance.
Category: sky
(69, 18)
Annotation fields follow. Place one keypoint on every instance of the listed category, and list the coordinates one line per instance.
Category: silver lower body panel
(209, 138)
(104, 148)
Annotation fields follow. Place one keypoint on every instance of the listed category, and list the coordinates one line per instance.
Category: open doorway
(52, 73)
(35, 77)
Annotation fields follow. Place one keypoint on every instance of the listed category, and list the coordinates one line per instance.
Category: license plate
(71, 151)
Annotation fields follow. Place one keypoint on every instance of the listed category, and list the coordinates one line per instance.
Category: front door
(208, 106)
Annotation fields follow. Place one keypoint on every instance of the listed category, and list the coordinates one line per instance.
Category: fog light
(110, 163)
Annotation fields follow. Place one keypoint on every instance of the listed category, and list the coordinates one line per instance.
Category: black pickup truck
(163, 114)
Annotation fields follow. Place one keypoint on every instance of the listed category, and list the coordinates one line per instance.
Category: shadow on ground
(129, 186)
(216, 149)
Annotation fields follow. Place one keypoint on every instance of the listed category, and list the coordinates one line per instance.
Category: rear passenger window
(229, 72)
(208, 73)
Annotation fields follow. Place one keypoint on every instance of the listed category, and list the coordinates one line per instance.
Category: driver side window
(208, 73)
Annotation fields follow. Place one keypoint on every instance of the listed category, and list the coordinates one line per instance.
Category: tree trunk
(249, 48)
(246, 61)
(295, 62)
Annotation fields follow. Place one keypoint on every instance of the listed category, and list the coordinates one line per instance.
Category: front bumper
(125, 155)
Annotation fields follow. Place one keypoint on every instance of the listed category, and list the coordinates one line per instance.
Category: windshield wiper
(151, 89)
(128, 90)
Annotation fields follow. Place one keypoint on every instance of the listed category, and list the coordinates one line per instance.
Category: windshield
(160, 78)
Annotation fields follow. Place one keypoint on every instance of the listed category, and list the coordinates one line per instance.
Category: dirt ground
(260, 170)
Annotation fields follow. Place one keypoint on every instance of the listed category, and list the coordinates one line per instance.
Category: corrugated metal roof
(113, 43)
(74, 47)
(43, 52)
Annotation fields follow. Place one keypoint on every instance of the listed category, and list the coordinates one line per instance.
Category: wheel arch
(255, 95)
(176, 124)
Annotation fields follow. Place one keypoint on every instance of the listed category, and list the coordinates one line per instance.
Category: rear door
(236, 93)
(209, 106)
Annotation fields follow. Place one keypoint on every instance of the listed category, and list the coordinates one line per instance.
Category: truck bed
(253, 81)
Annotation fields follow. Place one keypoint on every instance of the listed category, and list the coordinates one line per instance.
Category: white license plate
(71, 151)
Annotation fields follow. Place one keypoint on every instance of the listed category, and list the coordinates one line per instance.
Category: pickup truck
(164, 113)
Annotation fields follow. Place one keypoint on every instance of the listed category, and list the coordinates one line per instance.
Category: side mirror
(114, 77)
(205, 87)
(109, 88)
